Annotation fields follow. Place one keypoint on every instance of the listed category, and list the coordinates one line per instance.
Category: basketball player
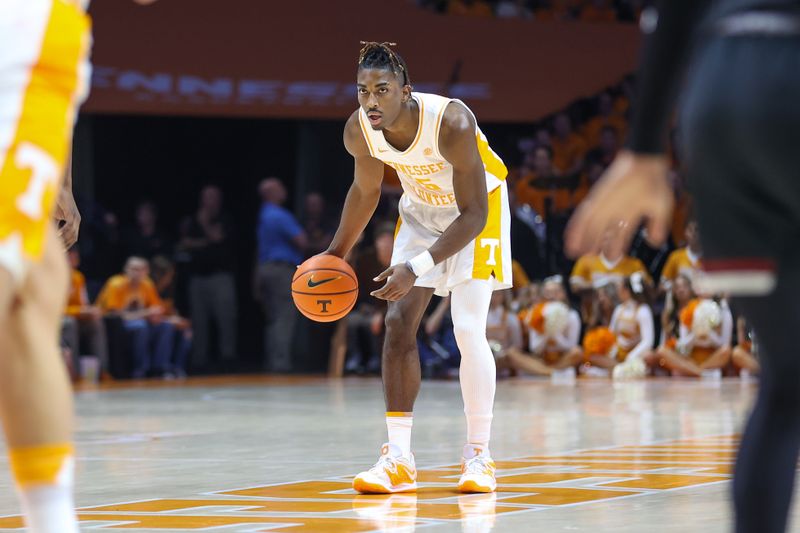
(741, 121)
(43, 71)
(452, 237)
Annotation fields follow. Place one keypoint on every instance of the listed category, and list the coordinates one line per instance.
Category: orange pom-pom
(687, 313)
(536, 318)
(599, 341)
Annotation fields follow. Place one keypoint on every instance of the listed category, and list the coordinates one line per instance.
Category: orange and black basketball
(325, 288)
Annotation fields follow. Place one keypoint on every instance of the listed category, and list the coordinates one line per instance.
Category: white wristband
(422, 264)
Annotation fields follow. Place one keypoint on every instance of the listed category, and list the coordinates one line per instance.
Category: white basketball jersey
(426, 176)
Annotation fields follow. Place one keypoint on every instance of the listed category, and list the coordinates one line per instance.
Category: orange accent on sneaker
(39, 465)
(393, 414)
(402, 475)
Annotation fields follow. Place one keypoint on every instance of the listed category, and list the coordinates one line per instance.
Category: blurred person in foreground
(45, 75)
(739, 123)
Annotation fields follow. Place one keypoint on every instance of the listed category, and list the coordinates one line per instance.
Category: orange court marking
(525, 485)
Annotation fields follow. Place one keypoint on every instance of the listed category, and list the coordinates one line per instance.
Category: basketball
(324, 288)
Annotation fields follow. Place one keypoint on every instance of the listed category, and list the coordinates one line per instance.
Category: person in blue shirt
(281, 241)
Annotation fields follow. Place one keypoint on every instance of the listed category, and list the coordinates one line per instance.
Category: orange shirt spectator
(471, 8)
(606, 117)
(569, 148)
(131, 291)
(598, 11)
(528, 192)
(78, 299)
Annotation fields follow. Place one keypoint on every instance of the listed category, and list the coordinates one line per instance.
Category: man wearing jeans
(280, 241)
(133, 296)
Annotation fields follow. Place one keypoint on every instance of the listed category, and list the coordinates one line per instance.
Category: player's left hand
(400, 281)
(66, 212)
(634, 188)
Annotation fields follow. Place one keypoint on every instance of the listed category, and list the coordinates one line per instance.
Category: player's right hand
(634, 188)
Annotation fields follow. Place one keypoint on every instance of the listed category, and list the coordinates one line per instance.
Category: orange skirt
(700, 355)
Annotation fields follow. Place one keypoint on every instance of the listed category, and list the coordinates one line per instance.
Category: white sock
(399, 426)
(49, 509)
(470, 308)
(479, 429)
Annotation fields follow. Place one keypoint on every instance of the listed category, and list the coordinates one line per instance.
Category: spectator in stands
(537, 189)
(132, 296)
(704, 341)
(683, 261)
(318, 227)
(365, 322)
(744, 355)
(594, 271)
(606, 151)
(471, 8)
(569, 148)
(633, 333)
(100, 244)
(208, 240)
(163, 275)
(553, 333)
(146, 239)
(281, 241)
(598, 11)
(83, 323)
(606, 116)
(543, 138)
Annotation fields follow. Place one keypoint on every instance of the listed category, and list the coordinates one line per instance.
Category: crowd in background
(156, 302)
(583, 10)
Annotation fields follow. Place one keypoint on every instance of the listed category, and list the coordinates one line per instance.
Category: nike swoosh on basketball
(312, 283)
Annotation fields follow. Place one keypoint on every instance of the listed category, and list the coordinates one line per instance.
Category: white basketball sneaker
(477, 470)
(392, 473)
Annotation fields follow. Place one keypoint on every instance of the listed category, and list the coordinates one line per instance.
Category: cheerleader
(678, 297)
(622, 347)
(553, 333)
(704, 340)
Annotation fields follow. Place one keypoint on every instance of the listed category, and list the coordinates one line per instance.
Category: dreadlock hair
(381, 55)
